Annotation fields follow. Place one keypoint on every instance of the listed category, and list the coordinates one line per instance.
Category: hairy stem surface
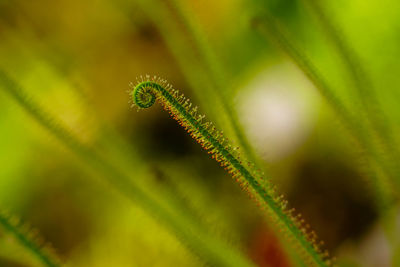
(145, 95)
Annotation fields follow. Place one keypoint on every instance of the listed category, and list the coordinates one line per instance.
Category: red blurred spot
(266, 250)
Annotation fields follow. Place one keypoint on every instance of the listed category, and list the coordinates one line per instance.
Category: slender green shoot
(29, 239)
(384, 193)
(145, 94)
(196, 239)
(216, 73)
(362, 83)
(197, 61)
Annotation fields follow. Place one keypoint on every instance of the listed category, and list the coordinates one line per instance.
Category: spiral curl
(143, 94)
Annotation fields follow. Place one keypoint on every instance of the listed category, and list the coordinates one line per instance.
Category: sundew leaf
(380, 172)
(293, 227)
(198, 240)
(29, 239)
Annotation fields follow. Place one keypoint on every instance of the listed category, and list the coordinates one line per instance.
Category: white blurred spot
(277, 109)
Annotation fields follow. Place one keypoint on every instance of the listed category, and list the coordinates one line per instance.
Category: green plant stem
(217, 74)
(384, 194)
(29, 243)
(145, 94)
(363, 85)
(196, 239)
(198, 63)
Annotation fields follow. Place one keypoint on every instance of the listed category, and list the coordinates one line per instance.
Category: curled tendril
(148, 90)
(143, 95)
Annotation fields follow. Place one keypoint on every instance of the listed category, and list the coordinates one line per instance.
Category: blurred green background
(77, 58)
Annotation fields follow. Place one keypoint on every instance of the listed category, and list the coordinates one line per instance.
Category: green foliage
(66, 63)
(379, 171)
(29, 239)
(191, 234)
(144, 95)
